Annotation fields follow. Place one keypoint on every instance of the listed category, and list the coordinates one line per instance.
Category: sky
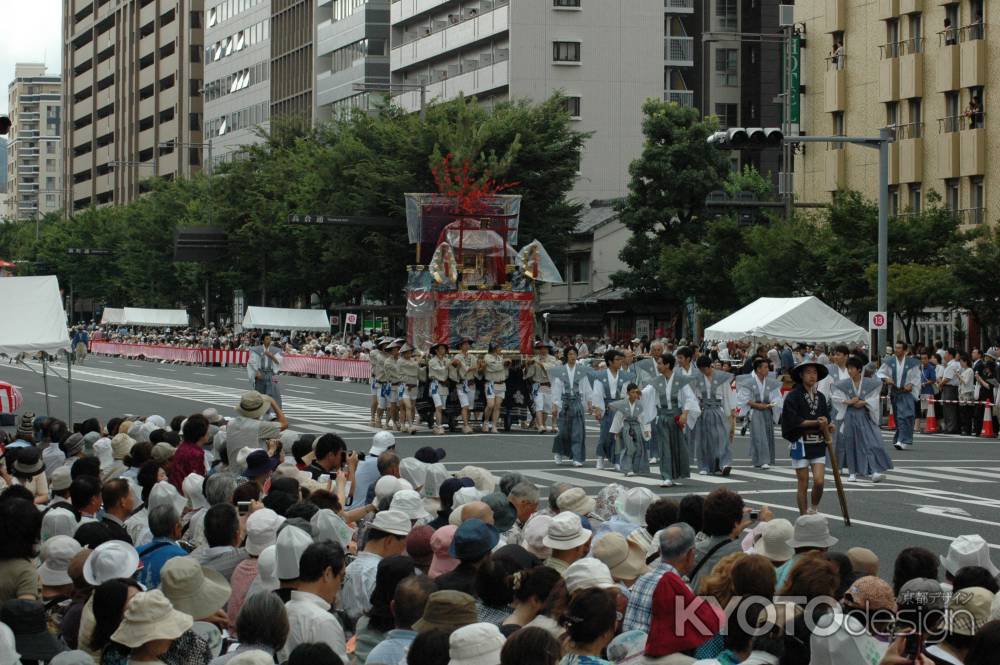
(30, 31)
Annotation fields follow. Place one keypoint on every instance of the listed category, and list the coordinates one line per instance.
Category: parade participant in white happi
(494, 369)
(571, 392)
(409, 372)
(466, 365)
(631, 427)
(537, 371)
(857, 423)
(609, 386)
(384, 388)
(838, 373)
(263, 368)
(437, 371)
(390, 374)
(375, 359)
(685, 363)
(759, 398)
(672, 409)
(713, 434)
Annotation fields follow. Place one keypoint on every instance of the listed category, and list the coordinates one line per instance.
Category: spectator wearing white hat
(367, 472)
(111, 560)
(292, 542)
(627, 562)
(773, 542)
(568, 540)
(56, 553)
(321, 572)
(386, 537)
(59, 485)
(149, 626)
(409, 502)
(194, 519)
(475, 644)
(262, 532)
(200, 593)
(971, 550)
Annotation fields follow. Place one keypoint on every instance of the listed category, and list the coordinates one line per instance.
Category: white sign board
(352, 319)
(878, 321)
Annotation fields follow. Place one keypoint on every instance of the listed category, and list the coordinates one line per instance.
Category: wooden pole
(836, 478)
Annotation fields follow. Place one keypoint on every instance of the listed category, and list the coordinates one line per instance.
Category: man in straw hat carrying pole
(805, 424)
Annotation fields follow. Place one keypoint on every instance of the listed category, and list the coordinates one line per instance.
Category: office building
(133, 105)
(352, 49)
(919, 67)
(34, 163)
(3, 166)
(293, 66)
(237, 63)
(597, 53)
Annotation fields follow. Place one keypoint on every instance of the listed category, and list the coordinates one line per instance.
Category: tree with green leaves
(667, 189)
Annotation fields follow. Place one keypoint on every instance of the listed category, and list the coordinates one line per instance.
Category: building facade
(237, 86)
(597, 53)
(919, 67)
(352, 49)
(132, 96)
(293, 66)
(34, 151)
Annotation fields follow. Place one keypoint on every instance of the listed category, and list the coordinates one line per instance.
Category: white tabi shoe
(652, 460)
(577, 464)
(600, 463)
(852, 478)
(667, 483)
(559, 459)
(630, 474)
(765, 466)
(878, 477)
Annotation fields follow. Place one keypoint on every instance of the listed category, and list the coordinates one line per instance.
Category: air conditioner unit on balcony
(786, 15)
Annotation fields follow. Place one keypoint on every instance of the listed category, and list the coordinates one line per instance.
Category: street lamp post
(389, 87)
(880, 143)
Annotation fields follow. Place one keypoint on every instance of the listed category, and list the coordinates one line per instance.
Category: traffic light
(4, 125)
(748, 138)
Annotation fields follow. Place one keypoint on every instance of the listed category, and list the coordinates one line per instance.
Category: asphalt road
(944, 487)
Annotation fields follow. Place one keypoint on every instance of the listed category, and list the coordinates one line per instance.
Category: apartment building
(133, 106)
(33, 159)
(237, 65)
(352, 48)
(920, 67)
(597, 53)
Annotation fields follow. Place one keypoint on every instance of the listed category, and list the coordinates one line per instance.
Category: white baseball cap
(409, 502)
(56, 553)
(292, 542)
(110, 561)
(381, 442)
(262, 530)
(395, 522)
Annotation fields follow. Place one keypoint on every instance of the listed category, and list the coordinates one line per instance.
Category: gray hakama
(664, 400)
(570, 441)
(634, 457)
(761, 421)
(268, 383)
(864, 451)
(711, 432)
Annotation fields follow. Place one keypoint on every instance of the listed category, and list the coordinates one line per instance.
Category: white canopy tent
(278, 318)
(34, 318)
(160, 318)
(806, 319)
(113, 316)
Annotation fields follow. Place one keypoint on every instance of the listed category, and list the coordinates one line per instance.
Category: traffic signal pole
(880, 143)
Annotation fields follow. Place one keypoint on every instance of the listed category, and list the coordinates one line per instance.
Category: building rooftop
(595, 215)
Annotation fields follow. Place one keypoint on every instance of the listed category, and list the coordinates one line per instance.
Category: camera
(754, 515)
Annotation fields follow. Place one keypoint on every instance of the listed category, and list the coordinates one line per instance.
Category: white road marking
(203, 374)
(555, 478)
(646, 480)
(44, 395)
(306, 392)
(299, 386)
(92, 406)
(942, 476)
(973, 472)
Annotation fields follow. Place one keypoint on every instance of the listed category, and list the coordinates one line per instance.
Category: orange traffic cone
(931, 426)
(987, 430)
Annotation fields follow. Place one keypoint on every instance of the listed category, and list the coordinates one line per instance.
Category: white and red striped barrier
(341, 368)
(10, 398)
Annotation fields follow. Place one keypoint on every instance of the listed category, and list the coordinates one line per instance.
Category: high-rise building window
(566, 3)
(727, 67)
(727, 115)
(953, 194)
(915, 199)
(566, 51)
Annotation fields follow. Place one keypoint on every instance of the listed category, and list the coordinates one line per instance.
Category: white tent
(278, 318)
(160, 318)
(112, 316)
(33, 315)
(806, 319)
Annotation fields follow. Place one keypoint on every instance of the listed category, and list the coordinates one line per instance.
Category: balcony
(973, 67)
(835, 168)
(678, 6)
(887, 9)
(973, 152)
(83, 135)
(888, 75)
(450, 37)
(971, 216)
(949, 150)
(403, 10)
(911, 152)
(911, 70)
(911, 6)
(468, 83)
(835, 97)
(679, 97)
(836, 15)
(678, 51)
(949, 60)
